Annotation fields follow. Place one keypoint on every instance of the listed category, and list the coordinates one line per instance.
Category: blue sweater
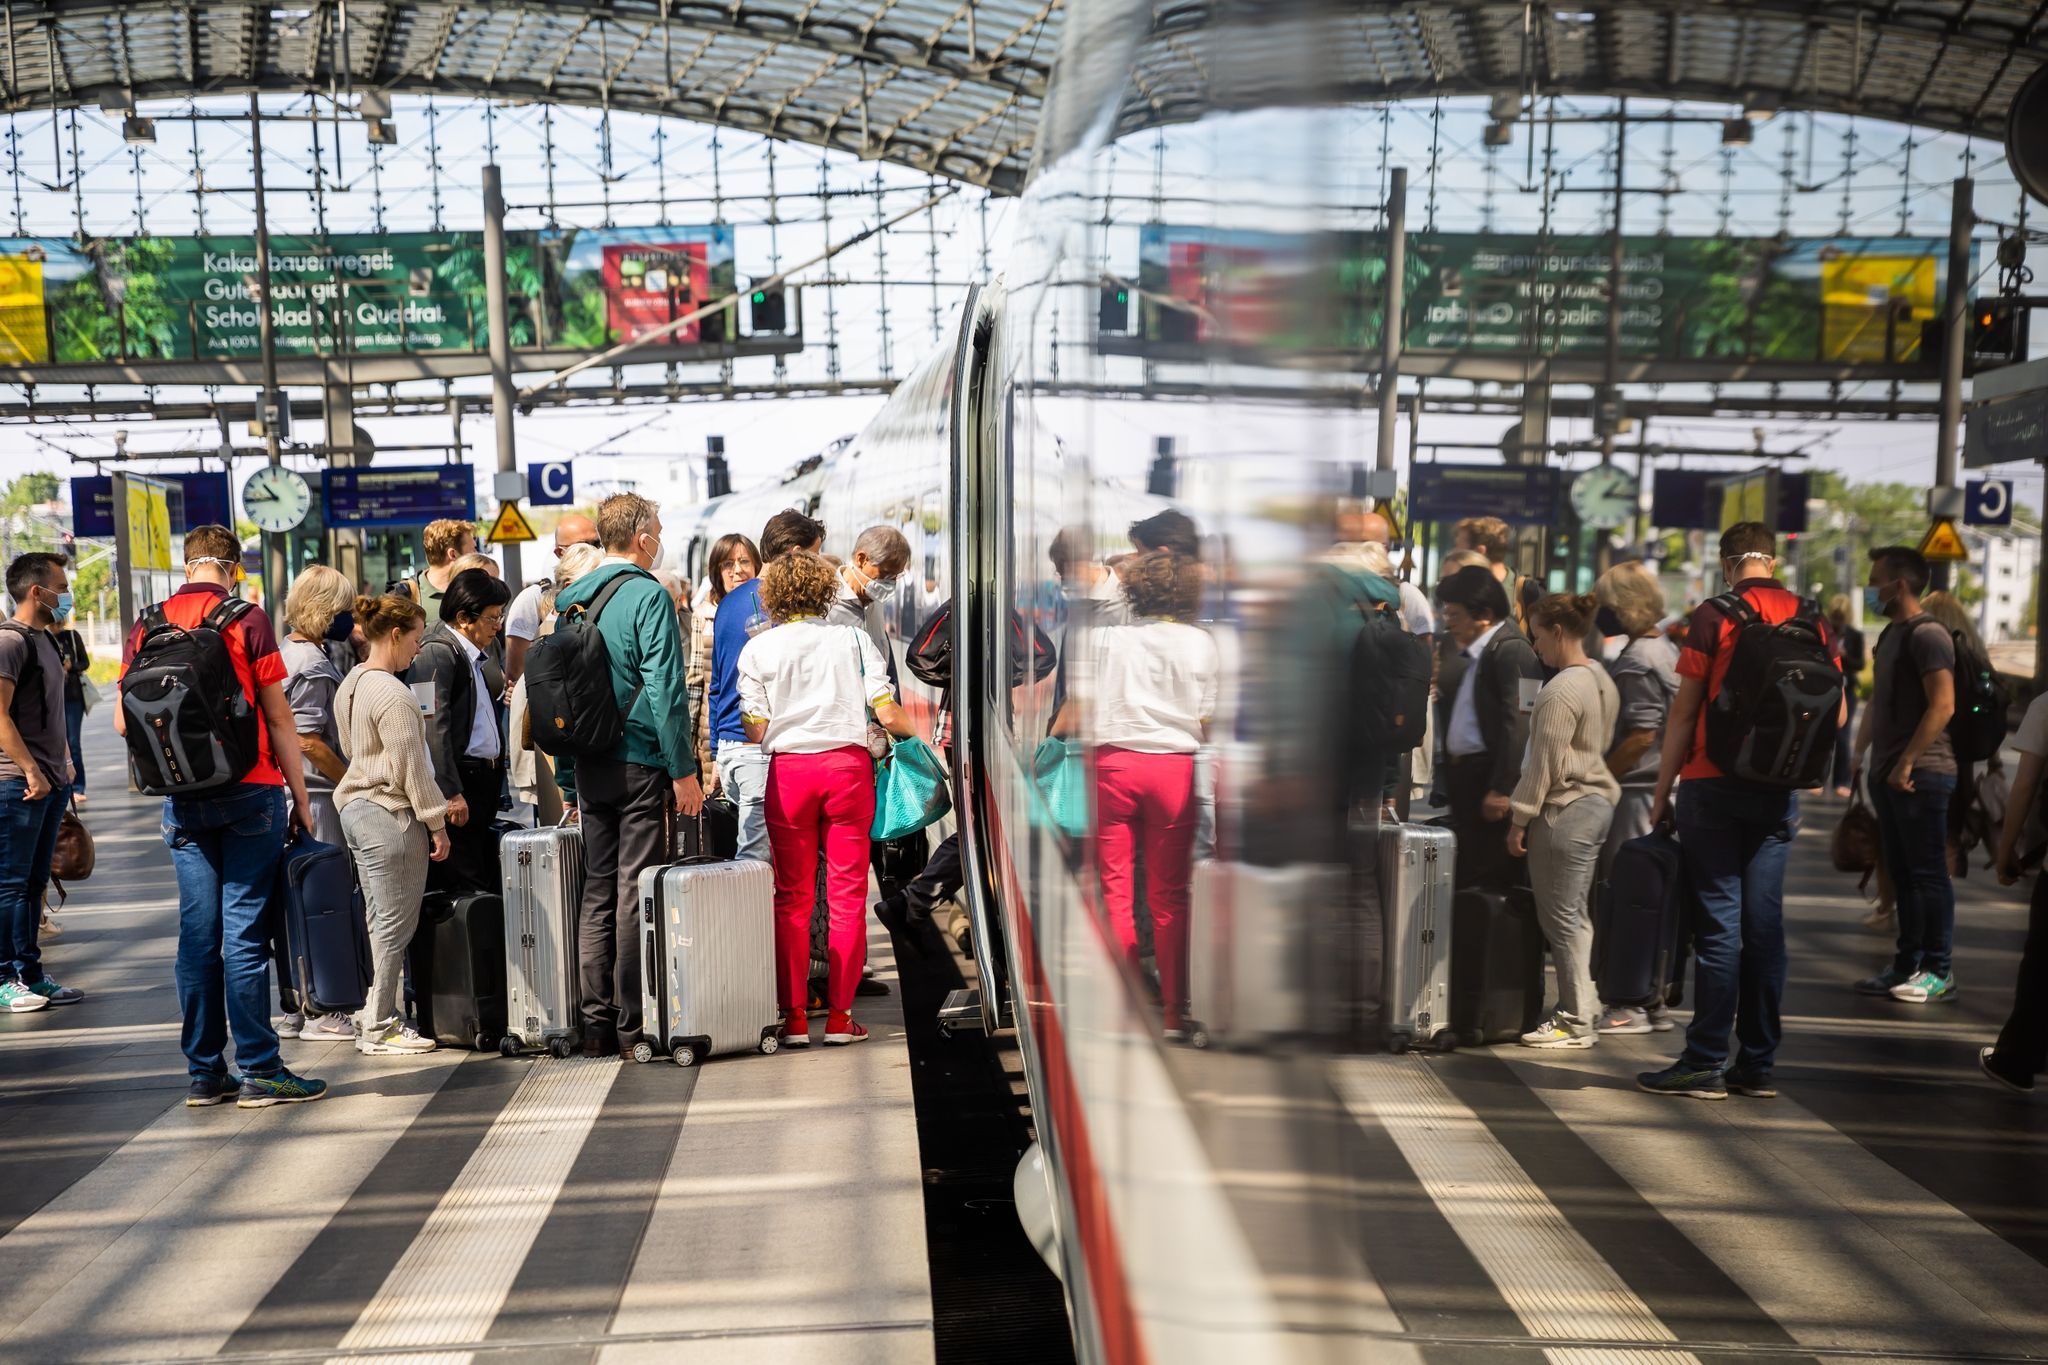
(728, 637)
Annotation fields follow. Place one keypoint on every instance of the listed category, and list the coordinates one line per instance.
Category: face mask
(1874, 603)
(881, 589)
(342, 626)
(1607, 623)
(62, 611)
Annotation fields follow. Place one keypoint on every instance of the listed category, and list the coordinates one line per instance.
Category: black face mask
(1607, 623)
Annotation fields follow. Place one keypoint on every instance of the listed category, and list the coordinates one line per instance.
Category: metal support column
(338, 411)
(271, 408)
(1396, 311)
(1955, 336)
(498, 308)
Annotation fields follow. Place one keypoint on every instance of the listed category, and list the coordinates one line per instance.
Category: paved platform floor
(441, 1207)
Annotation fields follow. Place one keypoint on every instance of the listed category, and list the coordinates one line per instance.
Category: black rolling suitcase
(1638, 921)
(1496, 966)
(325, 930)
(458, 967)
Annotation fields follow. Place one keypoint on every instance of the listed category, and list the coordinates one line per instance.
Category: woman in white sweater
(392, 810)
(1563, 805)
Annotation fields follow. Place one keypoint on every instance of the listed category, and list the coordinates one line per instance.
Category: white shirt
(812, 682)
(1153, 685)
(522, 618)
(1415, 610)
(483, 725)
(1464, 737)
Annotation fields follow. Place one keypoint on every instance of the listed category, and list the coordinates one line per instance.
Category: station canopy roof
(954, 87)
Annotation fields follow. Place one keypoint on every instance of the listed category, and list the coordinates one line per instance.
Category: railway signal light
(1997, 330)
(1113, 313)
(767, 312)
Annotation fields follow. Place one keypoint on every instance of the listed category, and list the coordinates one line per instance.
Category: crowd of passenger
(755, 702)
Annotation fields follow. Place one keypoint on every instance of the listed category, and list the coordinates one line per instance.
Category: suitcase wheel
(643, 1052)
(508, 1046)
(482, 1042)
(1198, 1037)
(1446, 1041)
(770, 1045)
(1397, 1043)
(558, 1047)
(684, 1055)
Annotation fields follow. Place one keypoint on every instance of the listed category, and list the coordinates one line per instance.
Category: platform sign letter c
(550, 485)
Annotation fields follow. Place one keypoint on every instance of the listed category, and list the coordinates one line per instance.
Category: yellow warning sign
(1942, 544)
(510, 526)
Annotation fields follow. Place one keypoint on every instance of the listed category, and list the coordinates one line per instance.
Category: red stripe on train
(1094, 1225)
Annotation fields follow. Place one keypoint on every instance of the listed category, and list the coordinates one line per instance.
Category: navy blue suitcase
(1638, 921)
(458, 970)
(325, 929)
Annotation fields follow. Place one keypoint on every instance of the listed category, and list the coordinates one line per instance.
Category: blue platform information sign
(1521, 495)
(1987, 502)
(550, 485)
(207, 502)
(397, 497)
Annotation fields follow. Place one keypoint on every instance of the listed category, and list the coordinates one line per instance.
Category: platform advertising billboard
(620, 284)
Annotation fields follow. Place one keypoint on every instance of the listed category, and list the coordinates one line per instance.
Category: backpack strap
(611, 590)
(32, 667)
(1737, 608)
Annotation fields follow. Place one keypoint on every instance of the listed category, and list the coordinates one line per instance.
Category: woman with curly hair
(1154, 684)
(805, 690)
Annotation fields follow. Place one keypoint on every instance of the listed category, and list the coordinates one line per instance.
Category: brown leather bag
(75, 855)
(1855, 842)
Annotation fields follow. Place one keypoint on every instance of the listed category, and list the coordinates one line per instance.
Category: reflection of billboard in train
(1682, 298)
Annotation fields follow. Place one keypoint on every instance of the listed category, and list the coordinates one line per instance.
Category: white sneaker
(16, 998)
(329, 1028)
(396, 1036)
(1622, 1019)
(1560, 1030)
(291, 1026)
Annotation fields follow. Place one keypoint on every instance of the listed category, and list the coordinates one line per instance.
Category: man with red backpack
(208, 728)
(1759, 702)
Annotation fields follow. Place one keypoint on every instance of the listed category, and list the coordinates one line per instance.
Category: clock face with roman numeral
(276, 498)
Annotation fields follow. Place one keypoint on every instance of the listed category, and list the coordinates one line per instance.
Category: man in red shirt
(225, 846)
(1736, 836)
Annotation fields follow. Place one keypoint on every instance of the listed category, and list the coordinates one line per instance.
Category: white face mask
(878, 589)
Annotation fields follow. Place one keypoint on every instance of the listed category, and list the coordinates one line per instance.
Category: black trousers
(1483, 859)
(624, 810)
(939, 880)
(2023, 1043)
(472, 863)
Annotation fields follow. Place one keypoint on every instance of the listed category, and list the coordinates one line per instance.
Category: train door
(981, 574)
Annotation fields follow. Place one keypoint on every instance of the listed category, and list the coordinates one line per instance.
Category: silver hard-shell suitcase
(543, 881)
(1416, 863)
(708, 957)
(1251, 949)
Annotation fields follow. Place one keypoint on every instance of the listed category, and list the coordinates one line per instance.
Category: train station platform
(440, 1207)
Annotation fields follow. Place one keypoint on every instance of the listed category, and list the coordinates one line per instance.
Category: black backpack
(30, 683)
(190, 727)
(1977, 729)
(1388, 682)
(930, 654)
(1774, 720)
(569, 682)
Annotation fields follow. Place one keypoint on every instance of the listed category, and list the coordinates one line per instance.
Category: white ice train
(1205, 1201)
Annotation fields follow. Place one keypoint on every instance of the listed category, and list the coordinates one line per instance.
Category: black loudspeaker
(2026, 135)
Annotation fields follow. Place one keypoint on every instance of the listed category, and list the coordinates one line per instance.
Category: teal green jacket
(646, 648)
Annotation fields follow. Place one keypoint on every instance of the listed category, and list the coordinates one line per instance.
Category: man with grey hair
(880, 556)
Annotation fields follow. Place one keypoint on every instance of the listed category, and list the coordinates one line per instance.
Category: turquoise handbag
(910, 791)
(1061, 774)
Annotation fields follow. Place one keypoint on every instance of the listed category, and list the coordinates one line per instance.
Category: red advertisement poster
(650, 284)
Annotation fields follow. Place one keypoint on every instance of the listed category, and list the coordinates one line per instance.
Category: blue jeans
(743, 772)
(28, 840)
(1914, 830)
(1736, 839)
(225, 849)
(74, 727)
